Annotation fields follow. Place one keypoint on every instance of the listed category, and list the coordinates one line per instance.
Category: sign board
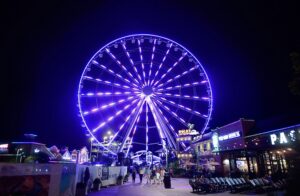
(283, 137)
(230, 136)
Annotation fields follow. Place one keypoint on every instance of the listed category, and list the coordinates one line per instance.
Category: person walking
(133, 174)
(141, 173)
(162, 174)
(148, 173)
(157, 174)
(153, 175)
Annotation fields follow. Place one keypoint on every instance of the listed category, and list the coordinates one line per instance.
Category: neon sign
(283, 138)
(215, 142)
(229, 136)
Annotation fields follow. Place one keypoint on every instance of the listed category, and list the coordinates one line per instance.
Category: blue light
(136, 72)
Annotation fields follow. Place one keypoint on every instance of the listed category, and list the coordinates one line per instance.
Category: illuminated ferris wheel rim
(144, 36)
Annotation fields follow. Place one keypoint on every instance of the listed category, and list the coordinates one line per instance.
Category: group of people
(152, 175)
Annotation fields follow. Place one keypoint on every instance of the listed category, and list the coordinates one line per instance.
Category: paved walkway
(180, 187)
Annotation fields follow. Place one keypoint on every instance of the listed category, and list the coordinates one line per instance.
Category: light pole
(20, 149)
(167, 151)
(91, 140)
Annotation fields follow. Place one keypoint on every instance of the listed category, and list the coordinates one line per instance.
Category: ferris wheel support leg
(131, 125)
(163, 130)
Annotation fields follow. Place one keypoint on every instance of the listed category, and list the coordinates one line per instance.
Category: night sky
(244, 47)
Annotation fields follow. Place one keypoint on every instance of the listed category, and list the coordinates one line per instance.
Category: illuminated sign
(184, 132)
(184, 155)
(186, 138)
(215, 142)
(283, 138)
(187, 132)
(3, 147)
(229, 136)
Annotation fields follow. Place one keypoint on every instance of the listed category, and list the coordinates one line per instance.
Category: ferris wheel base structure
(144, 88)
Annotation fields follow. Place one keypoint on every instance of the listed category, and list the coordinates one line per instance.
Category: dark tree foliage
(294, 84)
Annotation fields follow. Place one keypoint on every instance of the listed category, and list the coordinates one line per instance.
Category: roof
(27, 143)
(239, 120)
(275, 130)
(206, 136)
(274, 123)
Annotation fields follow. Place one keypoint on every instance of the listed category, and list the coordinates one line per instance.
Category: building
(206, 158)
(241, 146)
(274, 150)
(229, 143)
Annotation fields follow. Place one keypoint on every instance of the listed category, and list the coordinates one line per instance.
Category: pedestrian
(148, 173)
(133, 174)
(162, 174)
(171, 172)
(157, 174)
(141, 173)
(86, 180)
(153, 175)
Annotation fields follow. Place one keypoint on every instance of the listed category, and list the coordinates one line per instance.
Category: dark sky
(243, 45)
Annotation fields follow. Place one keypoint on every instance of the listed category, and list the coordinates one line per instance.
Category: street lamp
(91, 140)
(167, 152)
(19, 149)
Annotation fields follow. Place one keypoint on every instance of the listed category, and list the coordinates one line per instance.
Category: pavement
(180, 187)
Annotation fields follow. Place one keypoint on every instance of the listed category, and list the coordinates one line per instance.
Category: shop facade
(275, 150)
(229, 144)
(205, 158)
(239, 152)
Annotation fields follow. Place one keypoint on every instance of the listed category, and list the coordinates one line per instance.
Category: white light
(283, 139)
(148, 99)
(226, 162)
(273, 139)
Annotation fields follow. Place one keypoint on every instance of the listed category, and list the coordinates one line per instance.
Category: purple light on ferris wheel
(136, 73)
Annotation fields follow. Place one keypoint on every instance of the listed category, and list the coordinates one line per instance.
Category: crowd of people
(153, 175)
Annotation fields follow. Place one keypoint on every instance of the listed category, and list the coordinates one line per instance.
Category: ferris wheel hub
(147, 90)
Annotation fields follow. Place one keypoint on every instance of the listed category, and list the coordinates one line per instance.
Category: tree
(294, 84)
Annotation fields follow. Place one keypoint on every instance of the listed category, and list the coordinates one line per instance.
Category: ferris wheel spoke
(114, 116)
(165, 133)
(108, 94)
(171, 68)
(187, 85)
(130, 140)
(122, 126)
(166, 121)
(178, 76)
(132, 63)
(181, 107)
(142, 61)
(151, 63)
(167, 109)
(107, 106)
(134, 130)
(178, 96)
(161, 64)
(147, 128)
(103, 67)
(109, 83)
(132, 123)
(121, 66)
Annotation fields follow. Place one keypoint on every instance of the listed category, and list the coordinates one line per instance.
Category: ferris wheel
(144, 88)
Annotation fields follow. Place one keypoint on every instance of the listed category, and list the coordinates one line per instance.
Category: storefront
(274, 150)
(206, 159)
(229, 144)
(269, 152)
